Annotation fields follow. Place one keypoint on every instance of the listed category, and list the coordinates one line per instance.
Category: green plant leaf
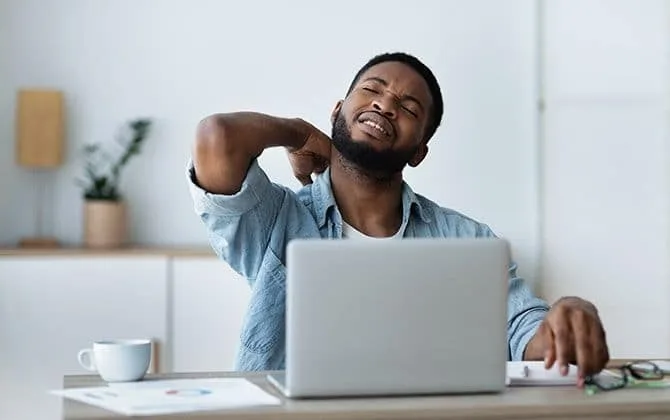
(102, 171)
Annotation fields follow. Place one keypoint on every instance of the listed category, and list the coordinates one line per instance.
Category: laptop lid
(409, 316)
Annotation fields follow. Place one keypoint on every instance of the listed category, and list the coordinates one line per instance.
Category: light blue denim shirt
(249, 230)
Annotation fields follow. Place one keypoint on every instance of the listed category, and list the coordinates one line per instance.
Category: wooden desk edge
(607, 406)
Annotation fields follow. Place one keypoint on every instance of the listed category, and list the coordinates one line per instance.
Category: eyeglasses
(638, 373)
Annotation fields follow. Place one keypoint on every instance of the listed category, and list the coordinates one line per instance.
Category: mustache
(363, 156)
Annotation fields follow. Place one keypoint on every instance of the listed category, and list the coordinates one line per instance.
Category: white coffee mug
(117, 360)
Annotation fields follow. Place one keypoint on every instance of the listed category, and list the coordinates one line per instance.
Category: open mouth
(376, 125)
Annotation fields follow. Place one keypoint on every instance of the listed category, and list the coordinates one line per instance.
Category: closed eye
(410, 111)
(370, 90)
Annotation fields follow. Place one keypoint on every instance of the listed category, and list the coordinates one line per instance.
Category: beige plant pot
(104, 224)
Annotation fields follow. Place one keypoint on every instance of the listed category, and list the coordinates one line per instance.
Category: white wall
(601, 166)
(178, 61)
(605, 165)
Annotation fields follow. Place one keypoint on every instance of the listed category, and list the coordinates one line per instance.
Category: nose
(385, 106)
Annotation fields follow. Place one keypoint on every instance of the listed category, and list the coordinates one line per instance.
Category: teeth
(374, 125)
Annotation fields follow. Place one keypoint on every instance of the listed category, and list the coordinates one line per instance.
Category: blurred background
(556, 134)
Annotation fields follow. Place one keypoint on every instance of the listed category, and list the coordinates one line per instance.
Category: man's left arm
(569, 331)
(525, 313)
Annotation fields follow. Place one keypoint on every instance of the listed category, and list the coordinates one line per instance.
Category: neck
(370, 202)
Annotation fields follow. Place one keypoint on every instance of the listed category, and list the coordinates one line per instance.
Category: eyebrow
(385, 83)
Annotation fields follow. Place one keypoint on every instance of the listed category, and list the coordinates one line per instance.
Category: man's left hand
(571, 333)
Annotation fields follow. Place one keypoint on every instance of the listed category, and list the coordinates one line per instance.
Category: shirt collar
(324, 200)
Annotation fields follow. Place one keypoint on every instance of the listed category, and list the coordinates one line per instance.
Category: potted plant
(105, 224)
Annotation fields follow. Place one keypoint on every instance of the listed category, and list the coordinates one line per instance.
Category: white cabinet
(209, 301)
(50, 307)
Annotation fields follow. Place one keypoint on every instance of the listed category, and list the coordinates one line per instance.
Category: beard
(379, 163)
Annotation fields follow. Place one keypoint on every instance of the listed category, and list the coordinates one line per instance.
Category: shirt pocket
(265, 325)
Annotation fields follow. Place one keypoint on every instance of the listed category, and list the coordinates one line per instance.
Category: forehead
(401, 78)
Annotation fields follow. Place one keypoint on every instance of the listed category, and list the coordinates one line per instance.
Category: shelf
(120, 252)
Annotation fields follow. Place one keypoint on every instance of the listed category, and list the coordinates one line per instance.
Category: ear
(419, 156)
(336, 110)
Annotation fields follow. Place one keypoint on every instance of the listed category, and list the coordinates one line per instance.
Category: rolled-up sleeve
(525, 311)
(239, 225)
(525, 314)
(255, 187)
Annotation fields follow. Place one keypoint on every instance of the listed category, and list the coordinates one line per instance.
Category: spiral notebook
(535, 374)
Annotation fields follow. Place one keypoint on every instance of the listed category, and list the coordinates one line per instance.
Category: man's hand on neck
(371, 203)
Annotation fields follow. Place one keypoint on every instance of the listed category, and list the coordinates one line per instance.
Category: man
(384, 123)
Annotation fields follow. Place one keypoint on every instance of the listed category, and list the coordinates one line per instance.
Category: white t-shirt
(348, 232)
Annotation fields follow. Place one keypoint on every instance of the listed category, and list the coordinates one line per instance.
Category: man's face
(380, 126)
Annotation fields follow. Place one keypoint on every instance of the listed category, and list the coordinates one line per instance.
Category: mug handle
(83, 356)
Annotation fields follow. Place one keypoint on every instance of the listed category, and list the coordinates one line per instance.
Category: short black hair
(437, 109)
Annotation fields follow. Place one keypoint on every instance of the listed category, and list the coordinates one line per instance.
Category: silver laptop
(395, 317)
